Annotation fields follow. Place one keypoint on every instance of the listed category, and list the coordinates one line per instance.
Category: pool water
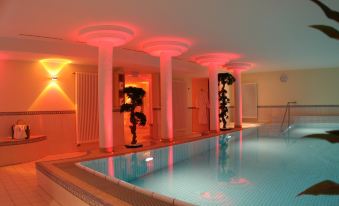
(258, 166)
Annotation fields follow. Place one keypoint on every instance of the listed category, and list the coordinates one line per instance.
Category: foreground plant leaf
(331, 14)
(326, 187)
(335, 132)
(332, 138)
(328, 30)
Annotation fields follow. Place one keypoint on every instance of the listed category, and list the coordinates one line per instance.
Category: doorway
(200, 100)
(141, 81)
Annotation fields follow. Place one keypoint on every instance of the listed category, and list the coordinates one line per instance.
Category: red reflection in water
(150, 166)
(211, 196)
(110, 167)
(170, 160)
(217, 150)
(240, 145)
(240, 181)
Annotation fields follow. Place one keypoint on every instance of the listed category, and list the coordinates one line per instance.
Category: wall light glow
(53, 66)
(52, 94)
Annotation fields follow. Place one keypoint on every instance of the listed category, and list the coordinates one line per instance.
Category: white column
(238, 99)
(105, 89)
(166, 97)
(214, 103)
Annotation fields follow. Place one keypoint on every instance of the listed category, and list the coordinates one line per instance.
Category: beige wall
(307, 87)
(25, 86)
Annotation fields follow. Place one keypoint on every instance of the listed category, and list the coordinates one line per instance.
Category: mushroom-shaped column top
(239, 66)
(106, 35)
(215, 59)
(170, 47)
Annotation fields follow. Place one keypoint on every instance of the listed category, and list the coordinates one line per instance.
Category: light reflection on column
(217, 150)
(170, 161)
(110, 164)
(150, 163)
(240, 147)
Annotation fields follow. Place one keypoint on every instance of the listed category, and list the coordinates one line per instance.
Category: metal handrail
(287, 110)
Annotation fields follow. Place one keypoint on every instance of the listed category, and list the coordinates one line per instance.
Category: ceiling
(272, 34)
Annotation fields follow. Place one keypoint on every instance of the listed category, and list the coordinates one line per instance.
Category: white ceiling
(273, 34)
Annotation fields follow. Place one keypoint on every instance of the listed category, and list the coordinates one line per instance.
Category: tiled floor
(19, 186)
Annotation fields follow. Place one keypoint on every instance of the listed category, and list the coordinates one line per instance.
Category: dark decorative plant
(135, 96)
(224, 79)
(331, 14)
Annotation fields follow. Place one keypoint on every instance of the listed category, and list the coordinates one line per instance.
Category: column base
(166, 140)
(214, 131)
(136, 145)
(225, 129)
(238, 126)
(107, 150)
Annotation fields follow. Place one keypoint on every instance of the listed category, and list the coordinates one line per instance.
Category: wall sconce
(54, 66)
(54, 77)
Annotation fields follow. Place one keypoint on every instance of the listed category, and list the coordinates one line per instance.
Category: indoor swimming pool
(256, 166)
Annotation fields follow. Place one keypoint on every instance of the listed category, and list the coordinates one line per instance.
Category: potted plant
(224, 79)
(135, 99)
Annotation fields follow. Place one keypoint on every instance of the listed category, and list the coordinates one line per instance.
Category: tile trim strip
(299, 106)
(36, 113)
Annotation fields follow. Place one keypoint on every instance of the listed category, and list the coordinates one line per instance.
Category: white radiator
(86, 104)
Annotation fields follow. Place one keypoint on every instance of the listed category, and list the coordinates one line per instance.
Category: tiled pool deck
(19, 186)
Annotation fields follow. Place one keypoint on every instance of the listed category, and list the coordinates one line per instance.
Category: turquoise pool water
(258, 166)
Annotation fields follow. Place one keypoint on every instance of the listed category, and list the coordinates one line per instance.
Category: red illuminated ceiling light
(106, 35)
(166, 45)
(242, 66)
(215, 59)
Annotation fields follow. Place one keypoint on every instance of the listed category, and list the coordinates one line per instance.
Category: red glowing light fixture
(169, 46)
(242, 66)
(106, 35)
(215, 59)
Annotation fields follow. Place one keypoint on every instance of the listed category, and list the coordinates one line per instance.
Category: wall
(27, 93)
(314, 90)
(307, 87)
(48, 106)
(26, 86)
